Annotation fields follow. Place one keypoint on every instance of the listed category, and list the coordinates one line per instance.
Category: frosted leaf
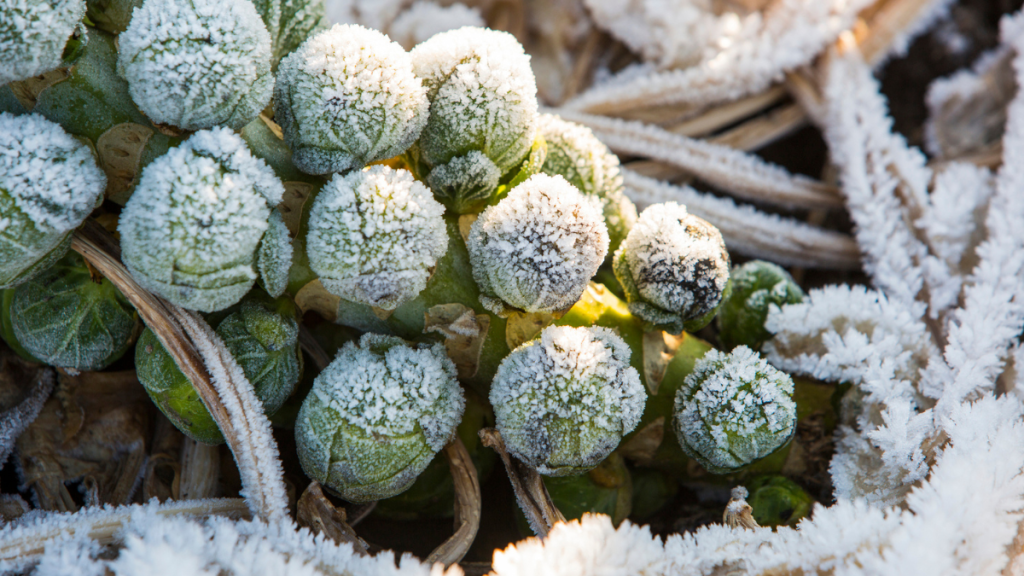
(197, 64)
(756, 286)
(49, 183)
(33, 34)
(537, 249)
(482, 97)
(423, 19)
(734, 409)
(290, 23)
(673, 267)
(376, 417)
(192, 227)
(347, 97)
(574, 153)
(274, 255)
(375, 235)
(563, 402)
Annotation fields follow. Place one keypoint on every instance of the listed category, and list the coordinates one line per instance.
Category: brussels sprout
(673, 267)
(191, 230)
(347, 97)
(734, 409)
(34, 35)
(563, 402)
(49, 183)
(197, 64)
(376, 417)
(483, 113)
(111, 15)
(574, 153)
(290, 22)
(375, 235)
(66, 318)
(756, 286)
(778, 501)
(537, 249)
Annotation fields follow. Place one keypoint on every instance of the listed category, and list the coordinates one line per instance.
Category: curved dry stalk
(318, 514)
(531, 494)
(204, 360)
(467, 506)
(312, 347)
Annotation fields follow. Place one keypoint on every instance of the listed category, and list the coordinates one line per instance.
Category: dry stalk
(467, 506)
(531, 494)
(318, 514)
(200, 470)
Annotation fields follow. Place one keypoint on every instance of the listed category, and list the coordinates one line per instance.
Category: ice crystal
(538, 247)
(563, 402)
(191, 229)
(347, 97)
(274, 255)
(424, 19)
(49, 183)
(33, 35)
(375, 235)
(377, 415)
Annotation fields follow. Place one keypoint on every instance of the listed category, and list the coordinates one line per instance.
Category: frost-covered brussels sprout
(34, 34)
(66, 318)
(197, 64)
(49, 183)
(376, 417)
(483, 112)
(778, 501)
(734, 409)
(111, 15)
(574, 153)
(290, 22)
(537, 249)
(347, 97)
(192, 230)
(562, 402)
(756, 286)
(375, 235)
(673, 267)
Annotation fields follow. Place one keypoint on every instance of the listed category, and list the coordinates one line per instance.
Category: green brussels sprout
(607, 489)
(375, 235)
(66, 318)
(199, 223)
(290, 22)
(49, 183)
(734, 409)
(537, 249)
(674, 268)
(111, 15)
(756, 286)
(376, 417)
(196, 64)
(347, 97)
(778, 501)
(562, 402)
(35, 34)
(483, 113)
(574, 153)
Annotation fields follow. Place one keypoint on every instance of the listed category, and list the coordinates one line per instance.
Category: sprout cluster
(34, 35)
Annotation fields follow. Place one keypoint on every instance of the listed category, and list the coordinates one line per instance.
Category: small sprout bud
(756, 286)
(191, 229)
(376, 417)
(734, 409)
(33, 35)
(290, 22)
(49, 183)
(196, 64)
(563, 402)
(778, 501)
(673, 267)
(574, 153)
(347, 97)
(537, 249)
(482, 99)
(375, 235)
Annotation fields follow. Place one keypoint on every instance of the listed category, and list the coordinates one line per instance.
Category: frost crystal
(375, 235)
(191, 229)
(564, 401)
(376, 417)
(537, 249)
(734, 409)
(197, 64)
(49, 183)
(424, 19)
(673, 267)
(33, 34)
(348, 97)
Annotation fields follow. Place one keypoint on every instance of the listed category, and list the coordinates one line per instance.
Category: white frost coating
(424, 19)
(192, 227)
(33, 34)
(537, 249)
(15, 420)
(564, 401)
(734, 409)
(274, 257)
(375, 235)
(374, 14)
(197, 64)
(347, 97)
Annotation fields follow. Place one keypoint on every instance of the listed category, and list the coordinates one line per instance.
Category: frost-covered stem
(467, 505)
(14, 421)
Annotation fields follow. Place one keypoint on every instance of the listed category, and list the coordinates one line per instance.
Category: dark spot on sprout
(336, 103)
(784, 515)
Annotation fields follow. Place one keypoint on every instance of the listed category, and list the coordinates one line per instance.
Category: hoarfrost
(274, 257)
(33, 35)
